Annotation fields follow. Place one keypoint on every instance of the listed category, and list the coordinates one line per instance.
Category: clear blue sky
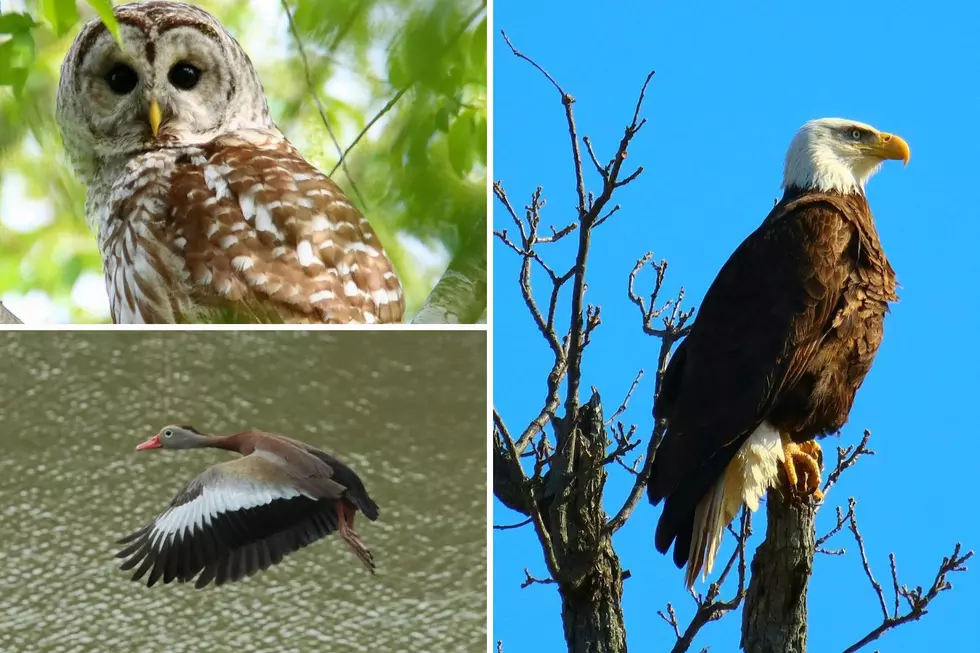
(732, 86)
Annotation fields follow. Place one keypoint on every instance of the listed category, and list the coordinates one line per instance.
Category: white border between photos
(489, 325)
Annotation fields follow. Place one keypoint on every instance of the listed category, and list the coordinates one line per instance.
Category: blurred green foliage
(416, 69)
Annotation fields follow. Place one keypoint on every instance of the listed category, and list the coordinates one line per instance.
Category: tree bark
(591, 582)
(774, 619)
(592, 613)
(6, 317)
(460, 297)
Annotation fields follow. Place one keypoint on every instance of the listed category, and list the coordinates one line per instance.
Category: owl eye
(184, 75)
(856, 134)
(121, 79)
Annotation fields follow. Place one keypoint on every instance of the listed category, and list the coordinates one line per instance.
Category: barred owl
(204, 211)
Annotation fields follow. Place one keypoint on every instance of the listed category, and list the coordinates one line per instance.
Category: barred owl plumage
(203, 210)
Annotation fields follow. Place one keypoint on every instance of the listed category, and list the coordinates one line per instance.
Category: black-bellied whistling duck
(244, 515)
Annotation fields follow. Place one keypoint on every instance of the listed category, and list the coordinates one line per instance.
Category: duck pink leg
(345, 526)
(342, 520)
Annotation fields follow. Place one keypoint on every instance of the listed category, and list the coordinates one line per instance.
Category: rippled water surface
(406, 410)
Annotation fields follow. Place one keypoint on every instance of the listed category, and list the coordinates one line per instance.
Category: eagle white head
(833, 154)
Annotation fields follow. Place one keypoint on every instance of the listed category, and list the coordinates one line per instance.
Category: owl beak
(155, 117)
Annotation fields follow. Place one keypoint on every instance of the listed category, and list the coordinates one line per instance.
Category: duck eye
(167, 433)
(184, 75)
(121, 79)
(856, 134)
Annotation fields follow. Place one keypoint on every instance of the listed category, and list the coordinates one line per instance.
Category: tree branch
(916, 599)
(709, 607)
(390, 104)
(521, 480)
(569, 475)
(626, 399)
(316, 99)
(674, 328)
(6, 317)
(460, 296)
(846, 457)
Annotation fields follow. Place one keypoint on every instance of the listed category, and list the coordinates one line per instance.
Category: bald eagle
(782, 341)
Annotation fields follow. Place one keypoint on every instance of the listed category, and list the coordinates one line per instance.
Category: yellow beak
(891, 146)
(156, 115)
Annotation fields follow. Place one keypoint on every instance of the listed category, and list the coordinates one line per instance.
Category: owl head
(179, 79)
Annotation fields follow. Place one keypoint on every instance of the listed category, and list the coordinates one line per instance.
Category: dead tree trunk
(592, 612)
(774, 619)
(591, 582)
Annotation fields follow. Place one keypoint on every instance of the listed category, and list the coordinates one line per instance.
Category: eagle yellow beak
(891, 146)
(156, 116)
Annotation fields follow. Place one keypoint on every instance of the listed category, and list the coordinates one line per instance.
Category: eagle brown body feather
(786, 334)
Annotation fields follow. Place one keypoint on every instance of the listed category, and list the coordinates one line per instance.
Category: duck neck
(239, 442)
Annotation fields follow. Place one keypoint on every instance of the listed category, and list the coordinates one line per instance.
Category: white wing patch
(226, 496)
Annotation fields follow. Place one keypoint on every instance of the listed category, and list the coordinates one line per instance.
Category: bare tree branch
(543, 534)
(917, 599)
(842, 520)
(675, 320)
(565, 487)
(709, 608)
(846, 457)
(626, 399)
(531, 580)
(674, 328)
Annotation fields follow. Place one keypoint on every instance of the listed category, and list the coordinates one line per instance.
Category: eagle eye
(856, 134)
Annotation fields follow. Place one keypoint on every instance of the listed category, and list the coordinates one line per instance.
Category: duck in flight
(243, 516)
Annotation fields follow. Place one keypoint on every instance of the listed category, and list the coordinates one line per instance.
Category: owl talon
(802, 464)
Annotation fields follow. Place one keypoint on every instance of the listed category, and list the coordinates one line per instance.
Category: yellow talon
(802, 464)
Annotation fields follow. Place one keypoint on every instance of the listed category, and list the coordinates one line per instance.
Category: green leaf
(14, 23)
(442, 120)
(461, 143)
(397, 75)
(60, 14)
(71, 270)
(480, 132)
(16, 57)
(478, 46)
(104, 9)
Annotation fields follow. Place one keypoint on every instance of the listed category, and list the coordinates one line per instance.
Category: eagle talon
(802, 464)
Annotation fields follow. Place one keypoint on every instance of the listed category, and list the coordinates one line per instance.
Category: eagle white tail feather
(752, 471)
